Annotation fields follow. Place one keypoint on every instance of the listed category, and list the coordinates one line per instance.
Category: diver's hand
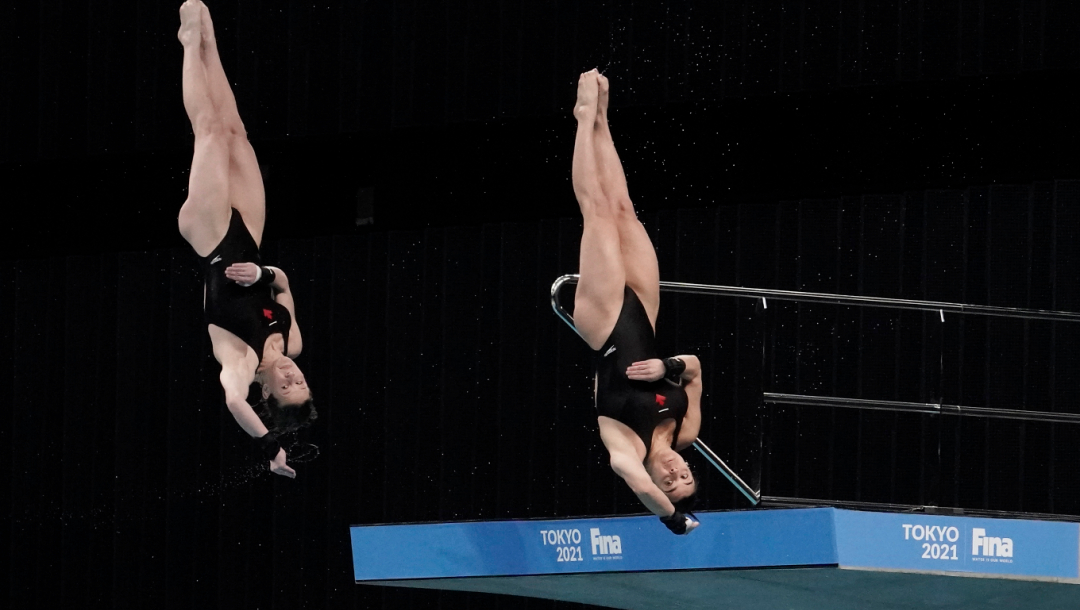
(278, 466)
(244, 274)
(679, 524)
(647, 370)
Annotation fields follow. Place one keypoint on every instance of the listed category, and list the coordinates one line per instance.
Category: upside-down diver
(648, 409)
(249, 307)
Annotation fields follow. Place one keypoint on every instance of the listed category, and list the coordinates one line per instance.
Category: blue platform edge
(726, 540)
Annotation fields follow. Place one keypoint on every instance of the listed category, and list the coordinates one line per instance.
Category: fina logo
(984, 546)
(604, 545)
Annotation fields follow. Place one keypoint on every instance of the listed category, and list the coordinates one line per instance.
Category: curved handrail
(559, 311)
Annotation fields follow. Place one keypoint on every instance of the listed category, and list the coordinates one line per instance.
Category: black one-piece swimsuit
(641, 405)
(251, 312)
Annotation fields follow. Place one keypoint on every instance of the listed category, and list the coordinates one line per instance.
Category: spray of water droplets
(113, 515)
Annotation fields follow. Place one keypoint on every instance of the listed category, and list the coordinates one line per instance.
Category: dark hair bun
(282, 419)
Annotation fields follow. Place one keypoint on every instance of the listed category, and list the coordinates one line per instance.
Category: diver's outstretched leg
(246, 191)
(204, 217)
(638, 254)
(599, 296)
(220, 90)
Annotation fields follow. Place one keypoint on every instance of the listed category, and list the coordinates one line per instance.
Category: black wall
(891, 149)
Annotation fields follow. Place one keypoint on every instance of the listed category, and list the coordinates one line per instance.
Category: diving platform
(795, 559)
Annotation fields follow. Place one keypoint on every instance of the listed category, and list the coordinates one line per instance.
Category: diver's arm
(691, 423)
(283, 295)
(626, 463)
(633, 472)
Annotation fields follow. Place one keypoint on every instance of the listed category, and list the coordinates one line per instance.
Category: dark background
(902, 149)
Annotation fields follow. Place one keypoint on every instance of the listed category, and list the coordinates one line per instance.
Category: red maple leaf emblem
(660, 400)
(269, 315)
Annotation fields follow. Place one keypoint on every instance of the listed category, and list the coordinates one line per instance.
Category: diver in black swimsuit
(249, 308)
(648, 409)
(249, 312)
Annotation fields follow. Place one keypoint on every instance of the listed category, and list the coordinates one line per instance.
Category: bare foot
(207, 27)
(587, 92)
(190, 23)
(602, 102)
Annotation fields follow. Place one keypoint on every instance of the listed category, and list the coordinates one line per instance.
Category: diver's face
(285, 381)
(672, 475)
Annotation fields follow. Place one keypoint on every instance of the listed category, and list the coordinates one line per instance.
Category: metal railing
(802, 400)
(751, 494)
